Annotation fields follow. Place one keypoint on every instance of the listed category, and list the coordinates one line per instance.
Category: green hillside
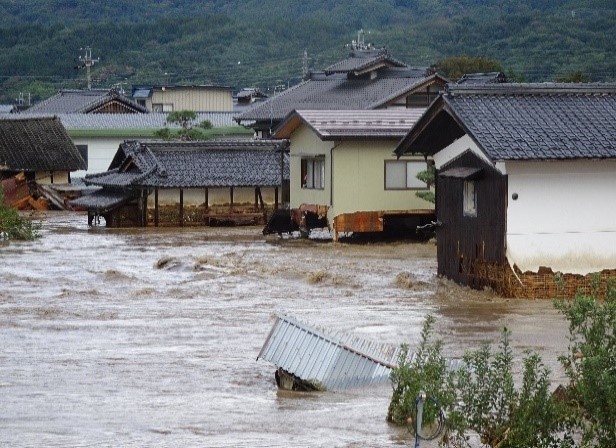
(261, 43)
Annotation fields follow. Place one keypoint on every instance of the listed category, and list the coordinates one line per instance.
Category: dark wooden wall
(464, 240)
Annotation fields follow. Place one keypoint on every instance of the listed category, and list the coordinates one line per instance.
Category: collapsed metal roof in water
(327, 361)
(323, 360)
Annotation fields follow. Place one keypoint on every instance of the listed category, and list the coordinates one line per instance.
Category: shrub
(480, 397)
(206, 124)
(425, 371)
(590, 364)
(13, 226)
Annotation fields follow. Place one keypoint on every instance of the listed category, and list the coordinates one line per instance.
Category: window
(470, 198)
(313, 173)
(83, 150)
(162, 107)
(402, 175)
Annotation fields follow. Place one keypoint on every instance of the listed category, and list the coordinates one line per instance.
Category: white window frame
(313, 173)
(402, 175)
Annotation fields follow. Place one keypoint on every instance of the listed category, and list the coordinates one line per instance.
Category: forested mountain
(244, 43)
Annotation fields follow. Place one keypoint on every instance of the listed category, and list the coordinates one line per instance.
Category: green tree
(428, 176)
(184, 118)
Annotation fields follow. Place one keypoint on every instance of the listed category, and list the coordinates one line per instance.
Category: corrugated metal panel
(334, 361)
(329, 360)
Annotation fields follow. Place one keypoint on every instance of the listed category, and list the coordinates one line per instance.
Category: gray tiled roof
(482, 78)
(543, 121)
(154, 120)
(349, 124)
(336, 92)
(82, 101)
(221, 163)
(37, 144)
(521, 121)
(104, 200)
(362, 60)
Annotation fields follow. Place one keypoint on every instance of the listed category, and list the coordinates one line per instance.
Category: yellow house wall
(198, 100)
(45, 177)
(304, 142)
(359, 180)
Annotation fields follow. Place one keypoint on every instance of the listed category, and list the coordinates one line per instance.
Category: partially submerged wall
(544, 284)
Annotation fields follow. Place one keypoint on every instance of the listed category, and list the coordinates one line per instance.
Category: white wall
(564, 217)
(100, 153)
(456, 149)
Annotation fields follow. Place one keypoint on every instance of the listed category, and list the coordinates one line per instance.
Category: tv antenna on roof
(360, 44)
(86, 62)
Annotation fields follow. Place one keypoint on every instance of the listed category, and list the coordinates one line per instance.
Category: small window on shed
(470, 198)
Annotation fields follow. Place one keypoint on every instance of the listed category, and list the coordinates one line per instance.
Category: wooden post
(276, 198)
(143, 209)
(260, 198)
(181, 207)
(207, 206)
(156, 209)
(256, 197)
(231, 191)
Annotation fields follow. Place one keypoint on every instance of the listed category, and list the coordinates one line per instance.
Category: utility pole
(86, 62)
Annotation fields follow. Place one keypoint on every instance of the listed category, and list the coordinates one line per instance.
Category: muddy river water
(149, 337)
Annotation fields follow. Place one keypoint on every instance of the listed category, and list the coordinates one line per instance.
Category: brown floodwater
(149, 337)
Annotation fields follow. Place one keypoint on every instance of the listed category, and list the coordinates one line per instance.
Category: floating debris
(309, 359)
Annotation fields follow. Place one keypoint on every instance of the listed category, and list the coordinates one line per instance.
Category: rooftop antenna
(360, 43)
(86, 62)
(305, 65)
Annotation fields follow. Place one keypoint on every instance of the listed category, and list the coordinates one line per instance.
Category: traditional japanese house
(35, 151)
(190, 183)
(343, 168)
(367, 79)
(526, 175)
(98, 121)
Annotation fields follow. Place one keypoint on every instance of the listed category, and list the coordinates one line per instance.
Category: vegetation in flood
(14, 226)
(482, 400)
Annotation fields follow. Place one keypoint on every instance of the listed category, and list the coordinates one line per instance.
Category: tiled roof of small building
(336, 92)
(222, 163)
(83, 101)
(482, 78)
(104, 200)
(362, 60)
(526, 121)
(37, 144)
(351, 124)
